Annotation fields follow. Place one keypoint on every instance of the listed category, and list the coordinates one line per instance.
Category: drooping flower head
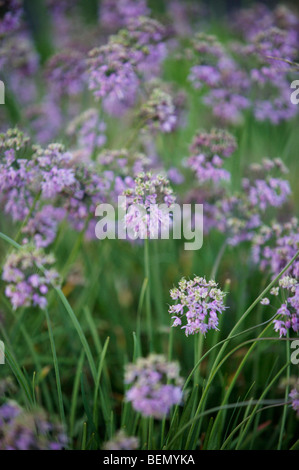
(88, 130)
(54, 172)
(242, 213)
(11, 18)
(294, 396)
(16, 175)
(288, 312)
(119, 169)
(115, 14)
(275, 245)
(147, 205)
(199, 302)
(116, 69)
(27, 285)
(66, 73)
(22, 430)
(159, 112)
(208, 152)
(113, 77)
(225, 83)
(43, 224)
(155, 385)
(120, 441)
(265, 187)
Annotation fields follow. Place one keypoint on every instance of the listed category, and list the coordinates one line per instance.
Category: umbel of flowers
(294, 396)
(155, 385)
(199, 302)
(120, 441)
(27, 285)
(288, 312)
(147, 204)
(208, 152)
(22, 430)
(117, 68)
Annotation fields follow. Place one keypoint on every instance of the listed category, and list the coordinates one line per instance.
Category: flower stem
(148, 294)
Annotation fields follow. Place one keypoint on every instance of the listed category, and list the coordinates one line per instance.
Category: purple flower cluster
(241, 213)
(288, 312)
(115, 14)
(226, 81)
(263, 189)
(115, 69)
(66, 73)
(147, 206)
(88, 130)
(45, 120)
(43, 224)
(113, 78)
(199, 302)
(273, 246)
(159, 112)
(254, 74)
(16, 176)
(119, 169)
(53, 170)
(155, 385)
(208, 151)
(120, 441)
(47, 187)
(12, 18)
(22, 430)
(272, 38)
(294, 396)
(26, 284)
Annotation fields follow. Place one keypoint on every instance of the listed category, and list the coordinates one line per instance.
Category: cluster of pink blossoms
(199, 302)
(155, 385)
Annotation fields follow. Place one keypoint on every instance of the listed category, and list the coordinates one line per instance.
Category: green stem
(148, 294)
(56, 368)
(284, 415)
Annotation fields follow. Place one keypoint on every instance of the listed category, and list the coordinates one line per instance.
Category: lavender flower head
(54, 170)
(115, 14)
(147, 206)
(66, 73)
(43, 224)
(208, 152)
(288, 312)
(265, 187)
(119, 169)
(241, 213)
(113, 77)
(294, 396)
(115, 69)
(155, 385)
(159, 112)
(89, 131)
(22, 430)
(12, 18)
(121, 441)
(218, 73)
(16, 175)
(199, 302)
(275, 245)
(26, 285)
